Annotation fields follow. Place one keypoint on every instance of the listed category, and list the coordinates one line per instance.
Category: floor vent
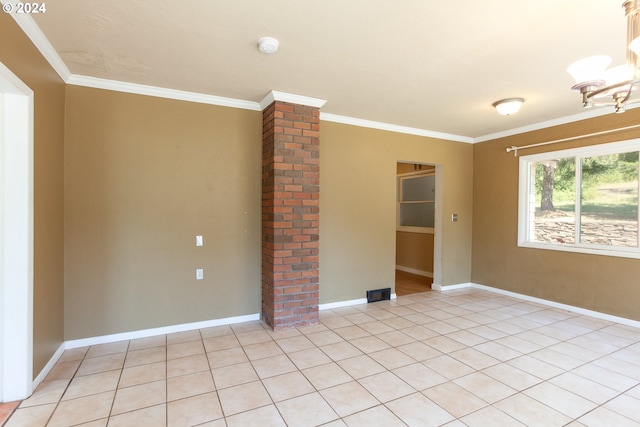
(379, 295)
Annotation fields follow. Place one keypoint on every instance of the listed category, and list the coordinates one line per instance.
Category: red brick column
(290, 214)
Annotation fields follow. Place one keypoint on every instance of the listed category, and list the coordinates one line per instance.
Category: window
(416, 202)
(581, 200)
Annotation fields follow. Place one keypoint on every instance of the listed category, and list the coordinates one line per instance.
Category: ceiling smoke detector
(268, 45)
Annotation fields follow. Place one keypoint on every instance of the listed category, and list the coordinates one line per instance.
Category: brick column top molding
(291, 98)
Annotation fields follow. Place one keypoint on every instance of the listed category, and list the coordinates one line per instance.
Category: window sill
(625, 253)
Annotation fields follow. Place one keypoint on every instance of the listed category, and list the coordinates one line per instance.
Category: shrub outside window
(581, 200)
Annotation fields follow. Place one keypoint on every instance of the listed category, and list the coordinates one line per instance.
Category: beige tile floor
(458, 358)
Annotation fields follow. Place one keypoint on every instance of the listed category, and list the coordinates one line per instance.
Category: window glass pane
(417, 214)
(609, 200)
(554, 218)
(418, 189)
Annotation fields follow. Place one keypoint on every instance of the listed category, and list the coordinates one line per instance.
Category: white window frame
(413, 229)
(527, 206)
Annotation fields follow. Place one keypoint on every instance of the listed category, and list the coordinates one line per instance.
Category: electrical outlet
(454, 217)
(199, 241)
(199, 273)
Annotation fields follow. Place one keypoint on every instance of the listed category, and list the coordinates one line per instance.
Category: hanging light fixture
(615, 86)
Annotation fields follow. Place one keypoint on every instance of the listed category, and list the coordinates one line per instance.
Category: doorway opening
(418, 224)
(16, 237)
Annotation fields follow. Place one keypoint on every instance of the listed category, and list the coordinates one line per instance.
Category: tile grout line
(579, 327)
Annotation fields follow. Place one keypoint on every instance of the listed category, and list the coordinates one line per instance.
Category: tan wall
(600, 283)
(143, 177)
(22, 58)
(358, 211)
(415, 250)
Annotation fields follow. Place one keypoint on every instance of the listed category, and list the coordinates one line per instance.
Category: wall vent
(379, 295)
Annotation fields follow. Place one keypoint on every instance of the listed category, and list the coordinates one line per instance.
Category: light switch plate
(199, 241)
(199, 273)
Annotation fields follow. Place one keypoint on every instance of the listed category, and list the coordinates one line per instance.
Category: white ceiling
(436, 65)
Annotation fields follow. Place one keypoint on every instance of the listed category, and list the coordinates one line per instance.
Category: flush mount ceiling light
(268, 45)
(616, 85)
(508, 106)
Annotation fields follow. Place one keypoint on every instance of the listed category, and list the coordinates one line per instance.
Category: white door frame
(16, 220)
(437, 238)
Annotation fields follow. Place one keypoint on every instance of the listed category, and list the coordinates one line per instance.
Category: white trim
(274, 95)
(574, 309)
(104, 339)
(619, 251)
(567, 307)
(347, 303)
(17, 224)
(438, 287)
(327, 306)
(2, 180)
(338, 304)
(37, 37)
(587, 114)
(526, 206)
(591, 150)
(437, 238)
(49, 366)
(160, 92)
(438, 222)
(393, 128)
(414, 271)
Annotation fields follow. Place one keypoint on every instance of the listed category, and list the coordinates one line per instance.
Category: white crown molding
(274, 95)
(31, 29)
(393, 128)
(588, 114)
(160, 92)
(37, 37)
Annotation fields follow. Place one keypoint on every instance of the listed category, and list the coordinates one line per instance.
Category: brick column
(290, 214)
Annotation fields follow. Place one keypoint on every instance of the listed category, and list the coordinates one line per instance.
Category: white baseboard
(144, 333)
(414, 271)
(338, 304)
(49, 366)
(327, 306)
(571, 308)
(347, 303)
(574, 309)
(104, 339)
(438, 287)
